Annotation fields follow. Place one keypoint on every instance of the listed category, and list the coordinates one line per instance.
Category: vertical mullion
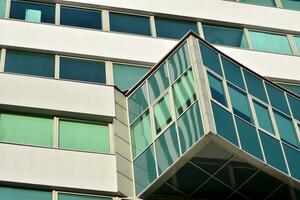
(293, 44)
(55, 132)
(7, 9)
(112, 148)
(153, 27)
(57, 14)
(109, 73)
(278, 3)
(2, 61)
(248, 38)
(57, 67)
(200, 29)
(54, 195)
(105, 20)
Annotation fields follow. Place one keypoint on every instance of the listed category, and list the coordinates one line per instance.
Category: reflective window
(129, 23)
(184, 92)
(233, 73)
(80, 197)
(240, 103)
(255, 86)
(297, 39)
(82, 70)
(225, 36)
(2, 8)
(140, 134)
(167, 149)
(158, 82)
(176, 29)
(277, 99)
(9, 193)
(83, 136)
(260, 2)
(137, 103)
(32, 11)
(162, 113)
(217, 89)
(126, 76)
(210, 59)
(293, 159)
(270, 42)
(26, 130)
(80, 17)
(263, 117)
(291, 87)
(291, 4)
(36, 64)
(295, 106)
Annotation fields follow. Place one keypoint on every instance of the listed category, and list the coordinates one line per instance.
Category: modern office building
(140, 99)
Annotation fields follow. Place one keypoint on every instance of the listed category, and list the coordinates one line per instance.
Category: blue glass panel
(82, 70)
(158, 82)
(129, 23)
(224, 123)
(80, 197)
(80, 17)
(295, 106)
(263, 117)
(273, 151)
(216, 89)
(291, 87)
(29, 63)
(260, 2)
(210, 58)
(248, 138)
(144, 170)
(255, 86)
(277, 99)
(7, 193)
(2, 8)
(18, 10)
(233, 73)
(293, 159)
(291, 4)
(176, 29)
(137, 103)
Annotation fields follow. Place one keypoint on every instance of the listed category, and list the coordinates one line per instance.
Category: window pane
(158, 82)
(137, 102)
(129, 23)
(216, 89)
(83, 136)
(263, 117)
(260, 2)
(249, 139)
(80, 197)
(295, 106)
(29, 63)
(126, 76)
(24, 194)
(184, 92)
(144, 170)
(233, 73)
(26, 130)
(293, 159)
(175, 29)
(225, 36)
(167, 149)
(210, 59)
(80, 17)
(270, 42)
(240, 103)
(190, 127)
(2, 8)
(291, 4)
(255, 86)
(179, 62)
(277, 99)
(33, 12)
(273, 151)
(291, 87)
(140, 134)
(82, 70)
(286, 129)
(297, 39)
(162, 113)
(224, 123)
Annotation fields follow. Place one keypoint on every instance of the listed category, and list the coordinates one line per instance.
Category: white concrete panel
(58, 168)
(218, 10)
(266, 64)
(57, 95)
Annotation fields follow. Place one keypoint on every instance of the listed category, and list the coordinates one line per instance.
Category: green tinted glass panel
(167, 149)
(240, 103)
(233, 73)
(270, 42)
(210, 58)
(225, 36)
(2, 8)
(297, 39)
(263, 117)
(291, 87)
(295, 106)
(140, 134)
(286, 129)
(179, 62)
(224, 123)
(26, 130)
(216, 89)
(137, 103)
(29, 63)
(129, 23)
(175, 29)
(126, 76)
(190, 127)
(83, 136)
(293, 159)
(259, 2)
(255, 86)
(144, 170)
(248, 138)
(7, 193)
(162, 113)
(291, 4)
(273, 151)
(80, 197)
(184, 92)
(158, 82)
(277, 99)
